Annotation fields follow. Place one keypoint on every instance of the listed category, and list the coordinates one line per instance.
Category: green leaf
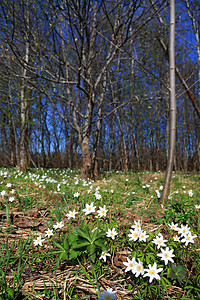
(72, 238)
(178, 272)
(66, 244)
(84, 233)
(74, 254)
(65, 255)
(58, 245)
(100, 235)
(91, 252)
(79, 245)
(11, 294)
(100, 244)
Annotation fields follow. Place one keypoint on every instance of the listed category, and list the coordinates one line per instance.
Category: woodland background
(85, 84)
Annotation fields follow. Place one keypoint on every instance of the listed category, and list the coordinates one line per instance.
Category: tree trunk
(22, 162)
(172, 136)
(86, 163)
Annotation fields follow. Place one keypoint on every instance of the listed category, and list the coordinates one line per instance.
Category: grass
(67, 265)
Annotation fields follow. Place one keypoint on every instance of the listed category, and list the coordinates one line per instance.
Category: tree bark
(86, 158)
(172, 133)
(22, 161)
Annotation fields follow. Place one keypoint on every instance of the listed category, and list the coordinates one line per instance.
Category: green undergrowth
(95, 247)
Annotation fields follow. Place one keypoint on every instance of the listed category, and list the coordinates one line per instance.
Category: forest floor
(51, 242)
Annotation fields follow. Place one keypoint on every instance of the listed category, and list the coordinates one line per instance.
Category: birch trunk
(22, 157)
(172, 133)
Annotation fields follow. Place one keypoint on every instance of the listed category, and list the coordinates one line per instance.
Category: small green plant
(66, 251)
(81, 241)
(90, 242)
(179, 273)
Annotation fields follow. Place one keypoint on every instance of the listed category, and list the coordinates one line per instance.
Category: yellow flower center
(131, 265)
(139, 268)
(166, 254)
(152, 272)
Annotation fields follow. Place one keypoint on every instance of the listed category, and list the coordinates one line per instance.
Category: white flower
(137, 225)
(197, 206)
(11, 199)
(143, 236)
(104, 254)
(98, 196)
(130, 264)
(71, 214)
(166, 255)
(38, 241)
(102, 211)
(49, 232)
(8, 185)
(108, 295)
(161, 188)
(90, 208)
(76, 195)
(176, 238)
(3, 193)
(111, 233)
(174, 226)
(159, 241)
(12, 191)
(188, 238)
(158, 194)
(134, 235)
(152, 272)
(58, 225)
(190, 193)
(184, 230)
(138, 269)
